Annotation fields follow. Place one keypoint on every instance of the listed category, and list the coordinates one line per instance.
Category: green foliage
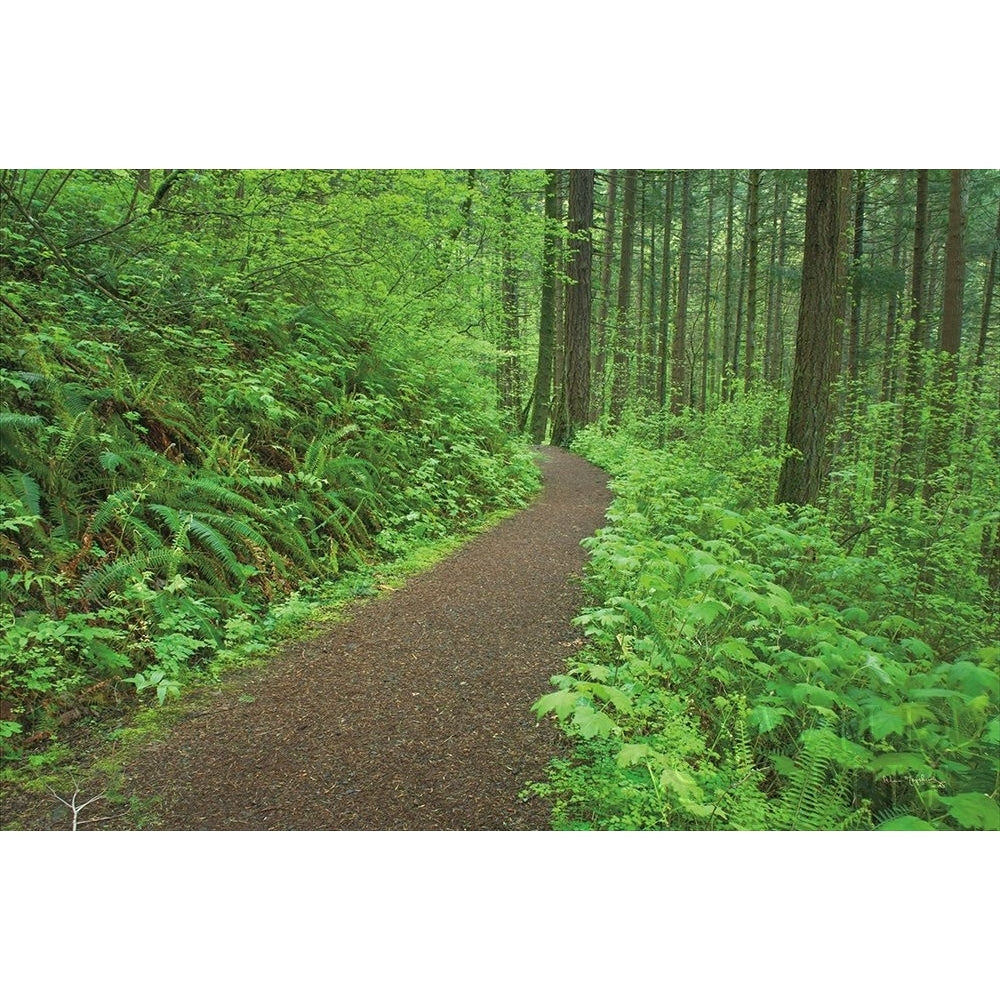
(745, 670)
(219, 397)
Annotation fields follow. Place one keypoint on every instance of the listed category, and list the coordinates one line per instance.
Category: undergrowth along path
(413, 714)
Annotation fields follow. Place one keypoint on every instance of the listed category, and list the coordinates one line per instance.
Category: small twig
(101, 819)
(77, 809)
(13, 308)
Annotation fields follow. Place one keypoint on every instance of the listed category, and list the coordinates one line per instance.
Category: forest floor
(412, 713)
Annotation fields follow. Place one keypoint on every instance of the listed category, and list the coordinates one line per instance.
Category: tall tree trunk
(943, 400)
(678, 370)
(727, 312)
(984, 321)
(623, 334)
(805, 468)
(890, 363)
(649, 385)
(771, 284)
(885, 455)
(910, 430)
(546, 322)
(706, 329)
(753, 237)
(664, 317)
(600, 360)
(856, 264)
(559, 351)
(509, 369)
(576, 384)
(640, 286)
(778, 338)
(738, 337)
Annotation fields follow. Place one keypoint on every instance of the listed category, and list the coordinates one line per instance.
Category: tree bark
(678, 370)
(984, 321)
(600, 360)
(508, 374)
(623, 333)
(942, 403)
(665, 285)
(727, 311)
(915, 344)
(546, 322)
(753, 237)
(805, 469)
(856, 262)
(576, 384)
(706, 329)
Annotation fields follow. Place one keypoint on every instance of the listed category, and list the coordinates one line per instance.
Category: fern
(101, 581)
(815, 795)
(19, 421)
(213, 494)
(218, 545)
(116, 506)
(23, 488)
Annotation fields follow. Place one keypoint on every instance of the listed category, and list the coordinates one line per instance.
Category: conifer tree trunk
(509, 369)
(600, 361)
(888, 390)
(778, 339)
(738, 335)
(753, 238)
(576, 382)
(678, 369)
(665, 283)
(706, 328)
(727, 312)
(768, 361)
(623, 337)
(915, 344)
(640, 285)
(856, 262)
(942, 401)
(546, 322)
(559, 351)
(984, 321)
(804, 471)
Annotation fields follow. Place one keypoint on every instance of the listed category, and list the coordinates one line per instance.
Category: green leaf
(906, 823)
(737, 650)
(810, 694)
(560, 702)
(614, 695)
(975, 680)
(705, 611)
(882, 722)
(911, 713)
(682, 784)
(899, 763)
(591, 722)
(973, 810)
(631, 753)
(767, 717)
(919, 649)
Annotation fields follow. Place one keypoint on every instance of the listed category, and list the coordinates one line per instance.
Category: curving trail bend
(413, 714)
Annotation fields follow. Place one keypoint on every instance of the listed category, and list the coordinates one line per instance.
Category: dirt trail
(415, 713)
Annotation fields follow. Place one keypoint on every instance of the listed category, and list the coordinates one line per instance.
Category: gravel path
(414, 714)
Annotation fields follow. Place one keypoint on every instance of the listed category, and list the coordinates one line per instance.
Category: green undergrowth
(214, 416)
(52, 770)
(748, 670)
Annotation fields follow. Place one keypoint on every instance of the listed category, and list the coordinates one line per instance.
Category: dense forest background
(225, 391)
(437, 84)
